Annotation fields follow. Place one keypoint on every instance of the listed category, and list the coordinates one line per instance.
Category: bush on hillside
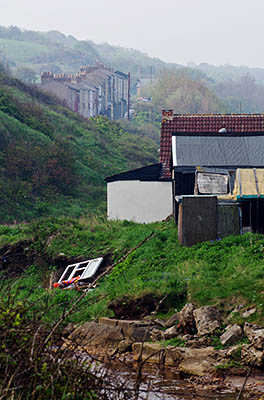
(50, 166)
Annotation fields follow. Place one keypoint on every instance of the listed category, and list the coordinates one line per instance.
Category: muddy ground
(17, 258)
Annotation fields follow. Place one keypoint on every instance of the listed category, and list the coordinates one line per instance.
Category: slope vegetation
(226, 273)
(54, 162)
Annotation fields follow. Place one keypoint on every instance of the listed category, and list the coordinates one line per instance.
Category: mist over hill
(55, 52)
(224, 72)
(28, 53)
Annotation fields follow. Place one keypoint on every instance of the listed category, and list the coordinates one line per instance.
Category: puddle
(155, 384)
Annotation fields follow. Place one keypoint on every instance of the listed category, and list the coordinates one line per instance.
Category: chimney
(167, 115)
(46, 77)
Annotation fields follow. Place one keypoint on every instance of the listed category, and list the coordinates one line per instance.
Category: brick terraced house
(94, 90)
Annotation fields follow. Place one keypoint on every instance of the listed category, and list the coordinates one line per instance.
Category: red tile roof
(198, 123)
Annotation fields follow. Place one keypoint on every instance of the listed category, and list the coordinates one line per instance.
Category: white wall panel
(139, 201)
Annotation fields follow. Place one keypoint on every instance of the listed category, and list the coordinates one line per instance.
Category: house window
(86, 269)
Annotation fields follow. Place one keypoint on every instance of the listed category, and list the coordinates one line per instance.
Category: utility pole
(150, 75)
(128, 97)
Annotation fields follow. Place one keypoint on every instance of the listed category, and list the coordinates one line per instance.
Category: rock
(255, 335)
(174, 355)
(171, 332)
(173, 320)
(232, 335)
(186, 337)
(233, 350)
(108, 321)
(198, 367)
(198, 342)
(124, 345)
(96, 339)
(190, 361)
(252, 356)
(248, 313)
(186, 319)
(199, 361)
(69, 329)
(207, 319)
(140, 334)
(134, 330)
(156, 335)
(249, 330)
(148, 352)
(160, 322)
(148, 319)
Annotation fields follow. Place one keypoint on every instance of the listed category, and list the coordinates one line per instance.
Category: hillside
(53, 51)
(53, 162)
(28, 53)
(224, 72)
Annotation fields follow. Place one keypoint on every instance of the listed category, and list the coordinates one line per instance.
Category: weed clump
(32, 367)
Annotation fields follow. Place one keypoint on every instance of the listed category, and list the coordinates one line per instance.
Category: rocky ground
(199, 344)
(211, 349)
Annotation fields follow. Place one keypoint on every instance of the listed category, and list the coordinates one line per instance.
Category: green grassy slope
(225, 273)
(54, 162)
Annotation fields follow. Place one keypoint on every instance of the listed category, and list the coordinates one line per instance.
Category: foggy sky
(179, 31)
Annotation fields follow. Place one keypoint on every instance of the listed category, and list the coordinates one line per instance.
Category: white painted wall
(138, 201)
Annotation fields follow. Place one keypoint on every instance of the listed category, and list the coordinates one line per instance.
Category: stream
(157, 384)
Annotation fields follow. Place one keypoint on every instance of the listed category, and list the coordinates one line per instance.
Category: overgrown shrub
(51, 165)
(33, 364)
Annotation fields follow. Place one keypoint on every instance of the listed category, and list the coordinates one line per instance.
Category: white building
(139, 195)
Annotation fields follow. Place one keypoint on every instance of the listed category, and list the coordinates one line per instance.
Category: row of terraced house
(94, 90)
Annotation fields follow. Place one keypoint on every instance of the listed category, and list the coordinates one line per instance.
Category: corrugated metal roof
(219, 151)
